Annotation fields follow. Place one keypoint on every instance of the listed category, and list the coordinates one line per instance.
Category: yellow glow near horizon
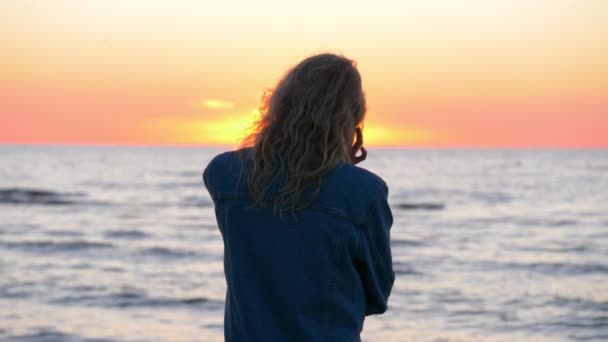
(230, 130)
(197, 131)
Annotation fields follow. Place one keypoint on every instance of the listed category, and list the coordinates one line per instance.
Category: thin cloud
(214, 104)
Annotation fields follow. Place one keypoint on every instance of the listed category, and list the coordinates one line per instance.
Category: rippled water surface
(120, 244)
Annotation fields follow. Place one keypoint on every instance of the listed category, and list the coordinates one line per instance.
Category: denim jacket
(310, 279)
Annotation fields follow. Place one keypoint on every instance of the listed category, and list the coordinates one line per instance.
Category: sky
(459, 73)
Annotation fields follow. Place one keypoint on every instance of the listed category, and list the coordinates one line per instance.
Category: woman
(313, 275)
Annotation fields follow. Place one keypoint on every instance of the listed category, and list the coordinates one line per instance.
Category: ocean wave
(48, 334)
(556, 249)
(561, 223)
(126, 234)
(195, 226)
(18, 228)
(22, 289)
(461, 194)
(108, 185)
(580, 324)
(188, 174)
(455, 296)
(62, 232)
(30, 196)
(164, 252)
(136, 298)
(420, 206)
(185, 174)
(56, 246)
(177, 185)
(580, 304)
(196, 201)
(544, 222)
(406, 243)
(403, 268)
(491, 198)
(37, 196)
(550, 268)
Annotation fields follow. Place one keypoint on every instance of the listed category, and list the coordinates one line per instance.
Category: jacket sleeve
(374, 262)
(206, 179)
(216, 203)
(210, 178)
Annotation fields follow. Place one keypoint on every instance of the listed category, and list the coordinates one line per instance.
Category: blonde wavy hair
(306, 127)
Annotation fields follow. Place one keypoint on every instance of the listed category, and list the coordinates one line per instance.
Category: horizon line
(374, 147)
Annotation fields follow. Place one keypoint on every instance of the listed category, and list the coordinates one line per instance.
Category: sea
(109, 243)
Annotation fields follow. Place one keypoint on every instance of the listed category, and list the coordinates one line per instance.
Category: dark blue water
(120, 244)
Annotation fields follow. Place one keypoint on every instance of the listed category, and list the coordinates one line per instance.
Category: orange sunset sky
(468, 73)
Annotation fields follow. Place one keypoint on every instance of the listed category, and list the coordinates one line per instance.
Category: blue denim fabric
(310, 278)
